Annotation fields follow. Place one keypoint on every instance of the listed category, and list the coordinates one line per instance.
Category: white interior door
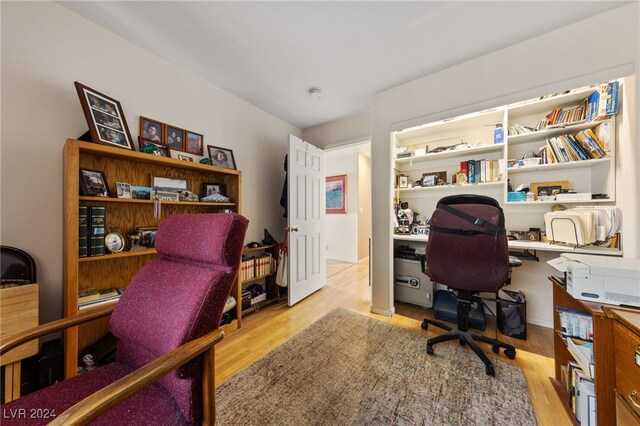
(306, 201)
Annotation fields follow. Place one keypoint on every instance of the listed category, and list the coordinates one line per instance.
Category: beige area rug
(349, 369)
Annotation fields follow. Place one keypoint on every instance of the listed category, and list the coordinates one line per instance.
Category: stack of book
(482, 171)
(581, 391)
(91, 297)
(584, 145)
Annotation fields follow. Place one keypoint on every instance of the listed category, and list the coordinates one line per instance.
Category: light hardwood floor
(265, 330)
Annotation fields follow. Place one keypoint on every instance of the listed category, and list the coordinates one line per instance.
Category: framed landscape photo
(105, 118)
(155, 148)
(140, 192)
(194, 143)
(93, 183)
(169, 184)
(151, 130)
(221, 157)
(336, 194)
(123, 190)
(174, 137)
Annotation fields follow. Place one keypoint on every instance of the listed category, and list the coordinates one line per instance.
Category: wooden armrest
(108, 397)
(44, 329)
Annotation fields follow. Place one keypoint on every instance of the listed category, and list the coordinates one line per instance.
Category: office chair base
(470, 339)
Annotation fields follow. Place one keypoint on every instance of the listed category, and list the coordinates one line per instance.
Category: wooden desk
(603, 353)
(18, 312)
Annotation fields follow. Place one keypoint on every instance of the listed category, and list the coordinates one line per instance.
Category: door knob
(294, 229)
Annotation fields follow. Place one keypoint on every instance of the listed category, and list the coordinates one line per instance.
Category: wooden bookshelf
(117, 269)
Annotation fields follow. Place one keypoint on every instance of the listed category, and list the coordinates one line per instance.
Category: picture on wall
(150, 130)
(336, 194)
(105, 118)
(221, 157)
(175, 137)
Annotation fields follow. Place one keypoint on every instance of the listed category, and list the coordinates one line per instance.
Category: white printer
(605, 279)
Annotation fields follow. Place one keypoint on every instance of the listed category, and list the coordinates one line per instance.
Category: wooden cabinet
(125, 215)
(626, 338)
(603, 354)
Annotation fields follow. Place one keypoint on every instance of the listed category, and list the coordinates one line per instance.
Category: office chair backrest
(467, 247)
(18, 267)
(179, 296)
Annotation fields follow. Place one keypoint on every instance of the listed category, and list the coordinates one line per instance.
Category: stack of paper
(583, 225)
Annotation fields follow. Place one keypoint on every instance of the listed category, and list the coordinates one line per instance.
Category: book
(464, 169)
(478, 171)
(83, 242)
(97, 221)
(603, 102)
(92, 297)
(471, 167)
(603, 132)
(589, 146)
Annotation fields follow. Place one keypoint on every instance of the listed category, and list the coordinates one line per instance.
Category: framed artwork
(123, 190)
(174, 137)
(212, 188)
(147, 236)
(540, 189)
(336, 194)
(105, 118)
(184, 156)
(169, 184)
(155, 148)
(403, 181)
(194, 143)
(93, 183)
(140, 192)
(221, 157)
(151, 130)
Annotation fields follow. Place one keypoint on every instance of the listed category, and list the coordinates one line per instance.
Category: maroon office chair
(165, 323)
(467, 251)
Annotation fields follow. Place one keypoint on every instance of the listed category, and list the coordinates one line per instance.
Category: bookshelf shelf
(551, 132)
(559, 166)
(115, 270)
(452, 188)
(535, 203)
(467, 153)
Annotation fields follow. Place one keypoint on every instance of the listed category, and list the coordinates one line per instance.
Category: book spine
(477, 171)
(97, 223)
(464, 169)
(471, 167)
(83, 241)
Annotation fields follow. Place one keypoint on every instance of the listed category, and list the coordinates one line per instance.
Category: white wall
(364, 205)
(45, 48)
(341, 230)
(519, 72)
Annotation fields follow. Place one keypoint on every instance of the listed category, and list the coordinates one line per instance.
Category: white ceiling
(271, 53)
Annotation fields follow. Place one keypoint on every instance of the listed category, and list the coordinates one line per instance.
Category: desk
(18, 312)
(530, 245)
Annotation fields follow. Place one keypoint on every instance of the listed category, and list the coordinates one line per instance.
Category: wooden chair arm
(108, 397)
(61, 324)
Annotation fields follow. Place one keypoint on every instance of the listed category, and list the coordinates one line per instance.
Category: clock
(114, 242)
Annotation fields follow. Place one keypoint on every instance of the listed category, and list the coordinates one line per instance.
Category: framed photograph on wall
(105, 118)
(221, 157)
(93, 183)
(336, 194)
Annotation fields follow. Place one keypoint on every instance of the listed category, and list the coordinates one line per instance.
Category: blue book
(471, 168)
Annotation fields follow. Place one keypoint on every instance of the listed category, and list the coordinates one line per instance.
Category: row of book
(255, 267)
(91, 230)
(600, 104)
(91, 297)
(575, 324)
(584, 145)
(581, 390)
(481, 171)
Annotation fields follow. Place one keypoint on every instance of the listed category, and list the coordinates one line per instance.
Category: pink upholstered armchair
(166, 325)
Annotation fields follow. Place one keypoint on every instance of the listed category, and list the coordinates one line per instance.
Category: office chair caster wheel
(495, 349)
(429, 349)
(491, 371)
(462, 342)
(510, 353)
(425, 325)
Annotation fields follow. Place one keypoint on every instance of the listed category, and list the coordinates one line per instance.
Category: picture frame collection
(173, 138)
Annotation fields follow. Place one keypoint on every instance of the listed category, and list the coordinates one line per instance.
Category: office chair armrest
(103, 400)
(57, 325)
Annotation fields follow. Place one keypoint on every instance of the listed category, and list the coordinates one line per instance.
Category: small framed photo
(151, 130)
(543, 189)
(174, 137)
(169, 184)
(221, 157)
(105, 118)
(155, 148)
(403, 181)
(140, 192)
(180, 155)
(194, 143)
(93, 183)
(147, 236)
(164, 195)
(212, 188)
(123, 190)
